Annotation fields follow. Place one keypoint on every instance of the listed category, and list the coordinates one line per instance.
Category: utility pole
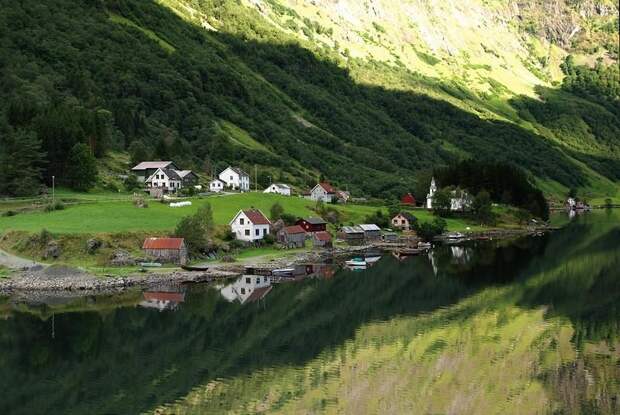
(256, 178)
(53, 188)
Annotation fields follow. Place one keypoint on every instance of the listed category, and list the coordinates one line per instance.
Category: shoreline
(64, 280)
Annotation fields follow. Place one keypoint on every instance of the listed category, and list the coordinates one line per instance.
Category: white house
(278, 188)
(146, 169)
(250, 225)
(235, 178)
(324, 192)
(216, 185)
(460, 200)
(247, 289)
(166, 179)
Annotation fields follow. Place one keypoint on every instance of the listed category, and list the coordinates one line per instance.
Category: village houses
(160, 177)
(312, 224)
(166, 180)
(278, 188)
(146, 169)
(250, 225)
(235, 179)
(323, 192)
(292, 236)
(322, 239)
(216, 185)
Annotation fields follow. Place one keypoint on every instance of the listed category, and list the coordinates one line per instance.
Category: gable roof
(172, 174)
(216, 180)
(281, 185)
(369, 227)
(255, 216)
(313, 220)
(352, 229)
(163, 243)
(326, 186)
(323, 236)
(152, 165)
(236, 170)
(295, 229)
(407, 216)
(258, 294)
(183, 173)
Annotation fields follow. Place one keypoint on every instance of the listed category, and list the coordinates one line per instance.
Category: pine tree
(81, 168)
(22, 160)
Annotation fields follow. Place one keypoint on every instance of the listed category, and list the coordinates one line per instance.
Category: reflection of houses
(460, 200)
(292, 236)
(247, 289)
(162, 300)
(312, 224)
(461, 255)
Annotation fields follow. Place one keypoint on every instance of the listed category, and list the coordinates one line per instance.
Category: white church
(460, 200)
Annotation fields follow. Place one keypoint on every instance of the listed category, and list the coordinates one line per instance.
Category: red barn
(312, 224)
(408, 199)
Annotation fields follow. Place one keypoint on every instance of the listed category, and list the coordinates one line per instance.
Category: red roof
(256, 217)
(163, 243)
(323, 236)
(328, 187)
(408, 199)
(164, 296)
(294, 229)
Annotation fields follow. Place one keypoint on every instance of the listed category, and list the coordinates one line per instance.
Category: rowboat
(194, 268)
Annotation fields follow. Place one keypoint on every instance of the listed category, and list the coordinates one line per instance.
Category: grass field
(107, 215)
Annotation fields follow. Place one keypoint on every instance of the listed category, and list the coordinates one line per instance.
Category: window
(258, 280)
(264, 231)
(402, 221)
(257, 232)
(248, 280)
(243, 291)
(241, 221)
(231, 178)
(247, 232)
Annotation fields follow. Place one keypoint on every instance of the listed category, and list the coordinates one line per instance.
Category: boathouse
(171, 250)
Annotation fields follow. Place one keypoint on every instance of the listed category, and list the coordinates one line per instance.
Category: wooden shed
(313, 224)
(353, 235)
(171, 250)
(292, 236)
(371, 231)
(322, 240)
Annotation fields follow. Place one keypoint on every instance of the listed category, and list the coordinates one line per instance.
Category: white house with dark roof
(247, 289)
(236, 179)
(324, 192)
(145, 169)
(216, 185)
(166, 179)
(278, 188)
(250, 225)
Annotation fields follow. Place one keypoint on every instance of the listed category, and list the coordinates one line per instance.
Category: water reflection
(529, 326)
(164, 298)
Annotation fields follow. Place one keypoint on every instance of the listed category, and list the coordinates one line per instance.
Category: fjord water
(522, 327)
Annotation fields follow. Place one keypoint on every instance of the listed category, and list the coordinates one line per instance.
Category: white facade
(244, 288)
(321, 193)
(235, 178)
(164, 179)
(459, 201)
(216, 185)
(278, 188)
(245, 229)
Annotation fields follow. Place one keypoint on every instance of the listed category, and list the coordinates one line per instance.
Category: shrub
(9, 213)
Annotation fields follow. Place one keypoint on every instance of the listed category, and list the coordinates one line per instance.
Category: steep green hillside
(362, 93)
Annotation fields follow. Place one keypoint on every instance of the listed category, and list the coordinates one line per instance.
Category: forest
(80, 78)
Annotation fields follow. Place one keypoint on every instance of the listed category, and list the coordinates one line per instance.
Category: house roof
(369, 227)
(407, 216)
(295, 229)
(152, 165)
(282, 185)
(323, 236)
(352, 229)
(172, 174)
(163, 243)
(236, 170)
(255, 216)
(259, 294)
(216, 180)
(183, 173)
(327, 187)
(313, 220)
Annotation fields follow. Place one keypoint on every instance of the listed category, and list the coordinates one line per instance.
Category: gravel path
(15, 262)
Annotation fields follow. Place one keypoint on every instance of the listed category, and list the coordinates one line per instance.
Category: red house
(312, 224)
(408, 199)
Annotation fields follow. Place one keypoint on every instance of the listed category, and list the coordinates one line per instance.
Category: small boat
(150, 265)
(194, 268)
(424, 245)
(456, 235)
(283, 272)
(356, 262)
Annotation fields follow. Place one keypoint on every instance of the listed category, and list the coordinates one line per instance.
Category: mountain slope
(290, 87)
